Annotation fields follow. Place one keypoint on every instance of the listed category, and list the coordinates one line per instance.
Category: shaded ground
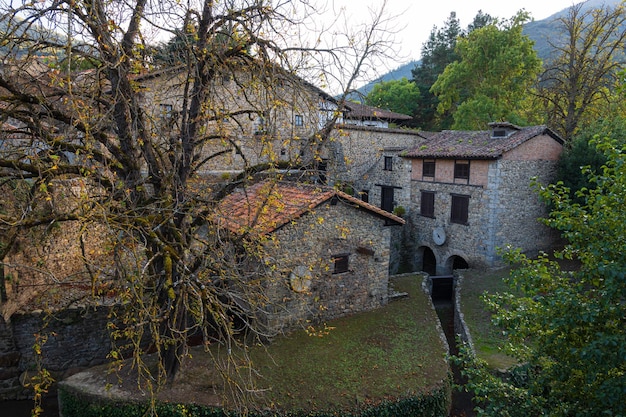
(393, 352)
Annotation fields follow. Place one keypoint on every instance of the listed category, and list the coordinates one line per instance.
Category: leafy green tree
(400, 96)
(579, 84)
(492, 79)
(582, 153)
(566, 327)
(437, 52)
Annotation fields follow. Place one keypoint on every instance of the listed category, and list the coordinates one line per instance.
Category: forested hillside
(539, 31)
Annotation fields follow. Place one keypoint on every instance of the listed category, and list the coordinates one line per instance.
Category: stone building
(472, 194)
(330, 250)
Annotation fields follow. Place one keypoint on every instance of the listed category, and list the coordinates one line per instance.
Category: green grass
(394, 352)
(385, 355)
(486, 337)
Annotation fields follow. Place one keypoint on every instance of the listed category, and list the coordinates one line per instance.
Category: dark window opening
(388, 163)
(428, 168)
(461, 170)
(261, 127)
(460, 209)
(365, 195)
(459, 263)
(341, 263)
(321, 168)
(427, 203)
(499, 133)
(386, 198)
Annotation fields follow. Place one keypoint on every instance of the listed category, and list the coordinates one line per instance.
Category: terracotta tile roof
(476, 144)
(267, 205)
(361, 111)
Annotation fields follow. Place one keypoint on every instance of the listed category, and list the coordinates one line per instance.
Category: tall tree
(135, 168)
(437, 53)
(579, 84)
(491, 81)
(583, 153)
(400, 96)
(566, 327)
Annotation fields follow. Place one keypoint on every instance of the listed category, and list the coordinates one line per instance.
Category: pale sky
(416, 19)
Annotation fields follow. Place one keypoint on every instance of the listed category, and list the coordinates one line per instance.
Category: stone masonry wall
(76, 339)
(363, 151)
(505, 212)
(310, 244)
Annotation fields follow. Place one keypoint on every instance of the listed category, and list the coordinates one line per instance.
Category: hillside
(539, 31)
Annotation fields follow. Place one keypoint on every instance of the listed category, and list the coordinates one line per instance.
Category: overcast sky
(416, 18)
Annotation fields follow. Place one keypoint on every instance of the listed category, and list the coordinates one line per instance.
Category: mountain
(539, 31)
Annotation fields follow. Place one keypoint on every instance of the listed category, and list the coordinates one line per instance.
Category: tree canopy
(579, 85)
(491, 81)
(400, 96)
(565, 326)
(125, 146)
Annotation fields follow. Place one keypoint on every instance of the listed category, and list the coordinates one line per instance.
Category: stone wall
(76, 339)
(504, 212)
(309, 244)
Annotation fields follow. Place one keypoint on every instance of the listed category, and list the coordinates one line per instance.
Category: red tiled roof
(267, 205)
(475, 144)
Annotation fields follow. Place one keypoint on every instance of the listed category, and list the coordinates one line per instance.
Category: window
(386, 198)
(298, 120)
(388, 163)
(461, 170)
(428, 168)
(365, 195)
(459, 208)
(261, 124)
(341, 263)
(167, 111)
(427, 203)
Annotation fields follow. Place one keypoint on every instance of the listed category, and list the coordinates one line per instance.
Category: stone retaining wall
(76, 340)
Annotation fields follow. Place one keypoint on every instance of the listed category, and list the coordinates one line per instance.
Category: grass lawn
(486, 337)
(394, 352)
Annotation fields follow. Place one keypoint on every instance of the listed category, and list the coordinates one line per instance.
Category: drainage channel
(442, 294)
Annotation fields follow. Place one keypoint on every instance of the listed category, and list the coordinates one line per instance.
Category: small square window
(298, 120)
(461, 170)
(388, 163)
(427, 203)
(459, 209)
(428, 168)
(341, 263)
(167, 111)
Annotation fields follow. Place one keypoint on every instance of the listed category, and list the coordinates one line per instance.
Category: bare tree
(580, 81)
(88, 108)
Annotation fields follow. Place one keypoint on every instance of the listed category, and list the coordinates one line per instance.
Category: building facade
(329, 250)
(471, 195)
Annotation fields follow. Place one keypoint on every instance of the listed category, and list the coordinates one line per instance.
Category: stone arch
(456, 262)
(428, 260)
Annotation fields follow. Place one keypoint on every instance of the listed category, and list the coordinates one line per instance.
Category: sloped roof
(361, 111)
(468, 144)
(266, 206)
